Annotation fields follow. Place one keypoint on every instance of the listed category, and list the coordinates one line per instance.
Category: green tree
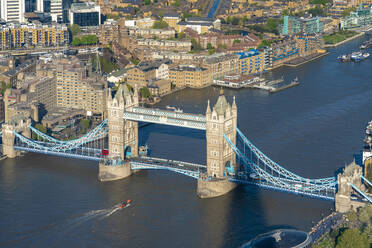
(352, 238)
(181, 35)
(92, 39)
(236, 41)
(160, 25)
(176, 3)
(84, 40)
(364, 216)
(209, 46)
(351, 216)
(41, 128)
(317, 11)
(368, 165)
(85, 124)
(195, 46)
(145, 92)
(134, 61)
(347, 12)
(4, 86)
(368, 231)
(235, 20)
(211, 51)
(147, 2)
(264, 43)
(76, 42)
(75, 29)
(272, 25)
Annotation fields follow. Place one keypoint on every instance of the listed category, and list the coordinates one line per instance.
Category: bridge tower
(122, 134)
(221, 159)
(19, 125)
(351, 175)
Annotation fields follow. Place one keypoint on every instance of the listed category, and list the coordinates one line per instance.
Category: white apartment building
(13, 10)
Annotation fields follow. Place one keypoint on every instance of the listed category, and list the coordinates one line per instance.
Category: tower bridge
(119, 135)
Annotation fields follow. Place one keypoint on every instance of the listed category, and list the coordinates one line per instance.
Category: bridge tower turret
(221, 159)
(19, 125)
(123, 135)
(222, 119)
(351, 175)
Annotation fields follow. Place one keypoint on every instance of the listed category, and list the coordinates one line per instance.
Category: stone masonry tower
(351, 174)
(123, 134)
(18, 124)
(221, 120)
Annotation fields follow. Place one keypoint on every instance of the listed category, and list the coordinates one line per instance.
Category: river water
(312, 129)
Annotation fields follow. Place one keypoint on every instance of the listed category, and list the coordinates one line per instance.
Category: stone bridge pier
(20, 125)
(122, 135)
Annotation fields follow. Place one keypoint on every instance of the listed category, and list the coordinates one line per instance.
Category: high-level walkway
(171, 118)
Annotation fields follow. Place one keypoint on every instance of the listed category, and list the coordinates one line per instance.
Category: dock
(292, 84)
(269, 86)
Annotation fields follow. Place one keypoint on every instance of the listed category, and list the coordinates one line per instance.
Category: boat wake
(63, 228)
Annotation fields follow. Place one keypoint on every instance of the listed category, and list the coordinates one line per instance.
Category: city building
(359, 18)
(85, 14)
(143, 73)
(79, 87)
(236, 80)
(140, 23)
(200, 25)
(251, 62)
(32, 35)
(221, 64)
(151, 33)
(190, 76)
(295, 25)
(118, 76)
(178, 57)
(166, 45)
(13, 10)
(2, 109)
(56, 10)
(11, 76)
(281, 51)
(172, 19)
(159, 87)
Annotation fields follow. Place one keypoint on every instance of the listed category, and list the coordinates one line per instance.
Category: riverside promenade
(344, 41)
(325, 225)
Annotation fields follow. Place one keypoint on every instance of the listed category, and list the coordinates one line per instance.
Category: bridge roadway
(171, 118)
(138, 163)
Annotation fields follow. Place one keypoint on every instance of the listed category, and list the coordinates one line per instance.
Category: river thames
(312, 129)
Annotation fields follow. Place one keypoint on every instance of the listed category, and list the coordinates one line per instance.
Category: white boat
(170, 107)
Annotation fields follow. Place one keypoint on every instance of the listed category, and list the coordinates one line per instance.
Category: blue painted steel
(166, 117)
(276, 177)
(276, 167)
(234, 180)
(360, 192)
(60, 154)
(143, 166)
